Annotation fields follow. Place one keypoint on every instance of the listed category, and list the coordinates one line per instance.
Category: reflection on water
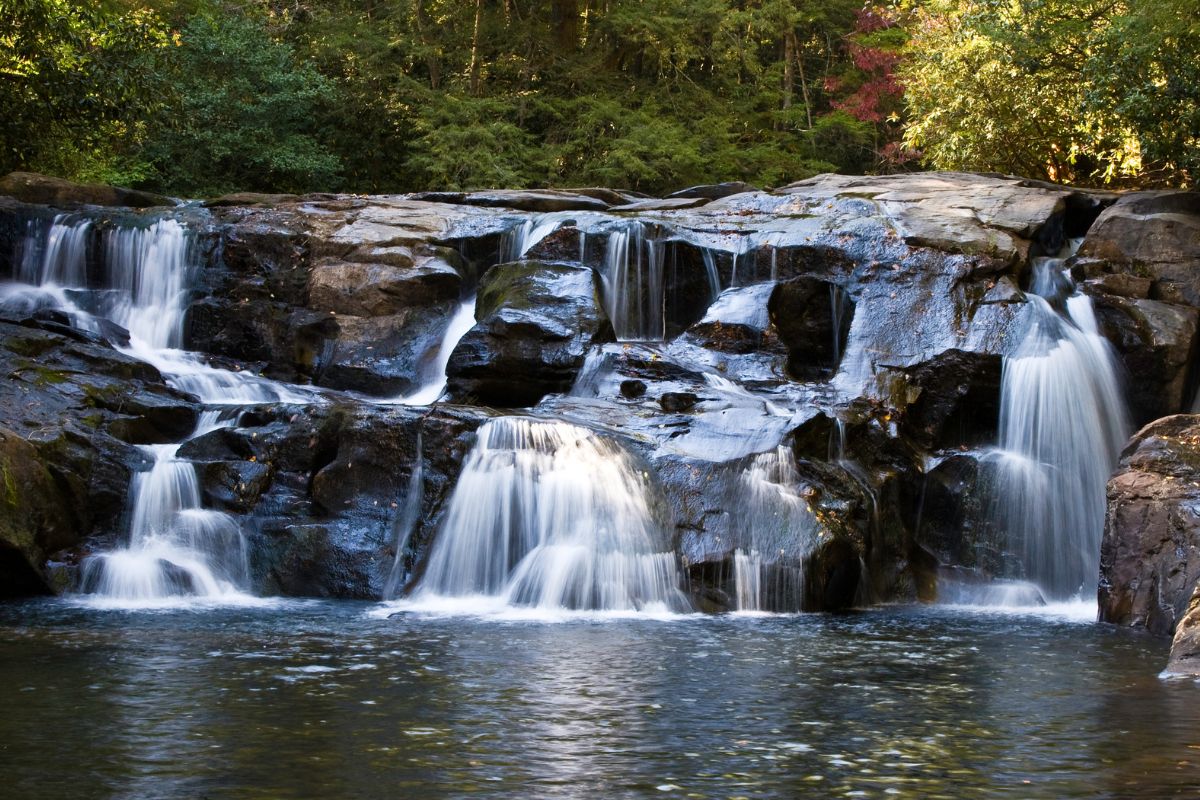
(333, 700)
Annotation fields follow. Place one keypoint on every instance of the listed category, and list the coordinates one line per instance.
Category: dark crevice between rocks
(813, 318)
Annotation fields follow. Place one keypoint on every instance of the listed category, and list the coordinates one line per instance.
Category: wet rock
(1152, 235)
(738, 321)
(1150, 555)
(953, 400)
(812, 318)
(536, 323)
(376, 290)
(960, 212)
(1157, 345)
(382, 356)
(1185, 648)
(29, 187)
(633, 389)
(521, 200)
(668, 204)
(677, 402)
(34, 517)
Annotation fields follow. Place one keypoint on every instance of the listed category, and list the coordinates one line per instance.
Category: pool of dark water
(331, 700)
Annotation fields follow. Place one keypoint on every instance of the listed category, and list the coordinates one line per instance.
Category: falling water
(1062, 425)
(406, 521)
(553, 516)
(714, 277)
(747, 579)
(781, 532)
(176, 547)
(141, 281)
(633, 278)
(433, 387)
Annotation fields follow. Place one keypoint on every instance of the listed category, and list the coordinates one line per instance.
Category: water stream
(552, 516)
(1062, 425)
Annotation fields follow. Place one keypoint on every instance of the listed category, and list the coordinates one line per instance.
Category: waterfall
(633, 279)
(459, 325)
(406, 521)
(552, 516)
(176, 548)
(138, 276)
(747, 578)
(780, 533)
(1062, 426)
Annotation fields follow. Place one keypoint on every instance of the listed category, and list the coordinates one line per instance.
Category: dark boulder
(1157, 345)
(812, 317)
(1185, 648)
(536, 323)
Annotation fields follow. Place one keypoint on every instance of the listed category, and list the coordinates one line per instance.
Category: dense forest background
(198, 97)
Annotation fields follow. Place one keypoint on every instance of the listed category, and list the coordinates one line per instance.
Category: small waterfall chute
(1062, 425)
(551, 516)
(635, 291)
(177, 548)
(781, 532)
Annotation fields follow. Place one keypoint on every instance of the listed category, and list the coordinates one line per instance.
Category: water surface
(313, 699)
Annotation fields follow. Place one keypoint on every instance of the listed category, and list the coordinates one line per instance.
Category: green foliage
(76, 79)
(206, 96)
(243, 114)
(1070, 90)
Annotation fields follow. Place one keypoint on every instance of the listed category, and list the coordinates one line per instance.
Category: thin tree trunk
(799, 56)
(431, 59)
(474, 82)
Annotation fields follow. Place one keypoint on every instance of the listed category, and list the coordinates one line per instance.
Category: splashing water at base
(551, 516)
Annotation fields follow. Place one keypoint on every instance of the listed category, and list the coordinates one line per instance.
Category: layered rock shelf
(843, 340)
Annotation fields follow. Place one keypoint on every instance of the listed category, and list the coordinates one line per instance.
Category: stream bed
(300, 699)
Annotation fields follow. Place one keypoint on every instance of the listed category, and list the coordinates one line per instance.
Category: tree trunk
(474, 82)
(431, 59)
(565, 18)
(798, 54)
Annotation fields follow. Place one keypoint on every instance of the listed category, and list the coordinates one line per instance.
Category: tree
(244, 115)
(1099, 91)
(76, 80)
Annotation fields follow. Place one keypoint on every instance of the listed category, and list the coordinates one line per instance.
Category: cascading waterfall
(176, 547)
(781, 531)
(1062, 425)
(553, 516)
(634, 284)
(140, 280)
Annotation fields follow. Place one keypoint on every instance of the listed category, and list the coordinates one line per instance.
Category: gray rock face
(1185, 647)
(536, 323)
(1155, 236)
(1150, 557)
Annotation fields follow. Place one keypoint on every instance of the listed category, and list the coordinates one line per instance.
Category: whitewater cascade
(633, 279)
(553, 516)
(176, 547)
(138, 275)
(777, 520)
(1062, 425)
